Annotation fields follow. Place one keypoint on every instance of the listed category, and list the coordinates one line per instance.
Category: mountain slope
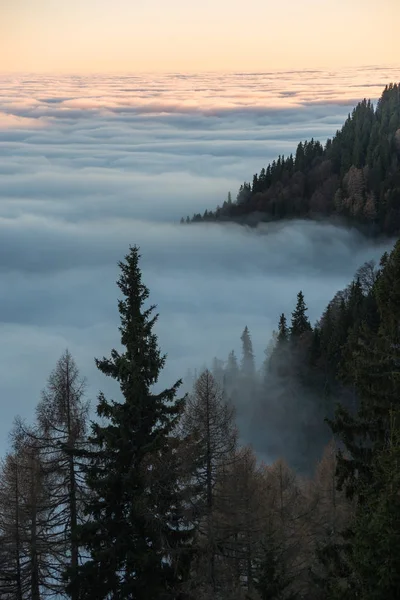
(355, 177)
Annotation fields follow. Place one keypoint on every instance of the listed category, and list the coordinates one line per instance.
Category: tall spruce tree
(283, 332)
(300, 323)
(248, 366)
(135, 534)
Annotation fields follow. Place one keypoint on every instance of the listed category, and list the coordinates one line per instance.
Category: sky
(92, 164)
(180, 36)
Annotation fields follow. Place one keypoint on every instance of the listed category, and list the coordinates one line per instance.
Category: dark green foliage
(283, 332)
(133, 533)
(366, 563)
(137, 541)
(247, 365)
(300, 323)
(356, 176)
(368, 462)
(373, 354)
(376, 542)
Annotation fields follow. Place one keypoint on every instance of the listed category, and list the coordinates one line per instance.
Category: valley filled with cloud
(90, 165)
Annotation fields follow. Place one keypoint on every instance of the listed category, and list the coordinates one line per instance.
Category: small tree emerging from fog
(300, 323)
(248, 366)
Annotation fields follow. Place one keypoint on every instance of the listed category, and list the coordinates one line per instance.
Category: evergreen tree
(247, 366)
(232, 368)
(280, 358)
(372, 369)
(268, 353)
(355, 176)
(134, 533)
(376, 542)
(283, 332)
(300, 323)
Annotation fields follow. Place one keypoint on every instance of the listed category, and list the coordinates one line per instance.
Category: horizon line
(379, 66)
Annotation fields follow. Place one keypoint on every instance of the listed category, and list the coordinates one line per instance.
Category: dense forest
(156, 498)
(354, 178)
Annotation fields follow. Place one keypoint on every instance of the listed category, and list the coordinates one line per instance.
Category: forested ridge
(355, 177)
(157, 499)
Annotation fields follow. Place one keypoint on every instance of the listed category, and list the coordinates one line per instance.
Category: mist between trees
(158, 498)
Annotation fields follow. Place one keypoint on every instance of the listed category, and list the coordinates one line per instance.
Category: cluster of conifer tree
(157, 499)
(355, 177)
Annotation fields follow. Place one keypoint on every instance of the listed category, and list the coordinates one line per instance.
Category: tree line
(355, 177)
(158, 498)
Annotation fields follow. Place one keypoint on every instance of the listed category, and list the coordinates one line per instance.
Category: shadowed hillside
(355, 178)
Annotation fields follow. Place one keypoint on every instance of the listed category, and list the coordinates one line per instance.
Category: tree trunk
(17, 539)
(72, 492)
(35, 587)
(211, 550)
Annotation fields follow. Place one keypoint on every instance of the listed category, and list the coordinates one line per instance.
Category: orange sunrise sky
(84, 36)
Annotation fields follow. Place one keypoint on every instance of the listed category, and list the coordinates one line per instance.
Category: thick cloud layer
(91, 165)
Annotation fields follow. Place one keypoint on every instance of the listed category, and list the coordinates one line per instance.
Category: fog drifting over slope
(88, 168)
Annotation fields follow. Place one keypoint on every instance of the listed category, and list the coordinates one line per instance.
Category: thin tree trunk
(17, 539)
(211, 549)
(35, 587)
(72, 495)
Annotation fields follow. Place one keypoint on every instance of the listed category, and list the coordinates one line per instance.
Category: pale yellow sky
(84, 36)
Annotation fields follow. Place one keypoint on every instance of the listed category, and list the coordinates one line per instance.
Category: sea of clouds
(90, 165)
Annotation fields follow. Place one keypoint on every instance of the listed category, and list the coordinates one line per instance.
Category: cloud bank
(91, 165)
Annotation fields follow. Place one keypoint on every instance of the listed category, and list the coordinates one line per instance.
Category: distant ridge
(354, 178)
